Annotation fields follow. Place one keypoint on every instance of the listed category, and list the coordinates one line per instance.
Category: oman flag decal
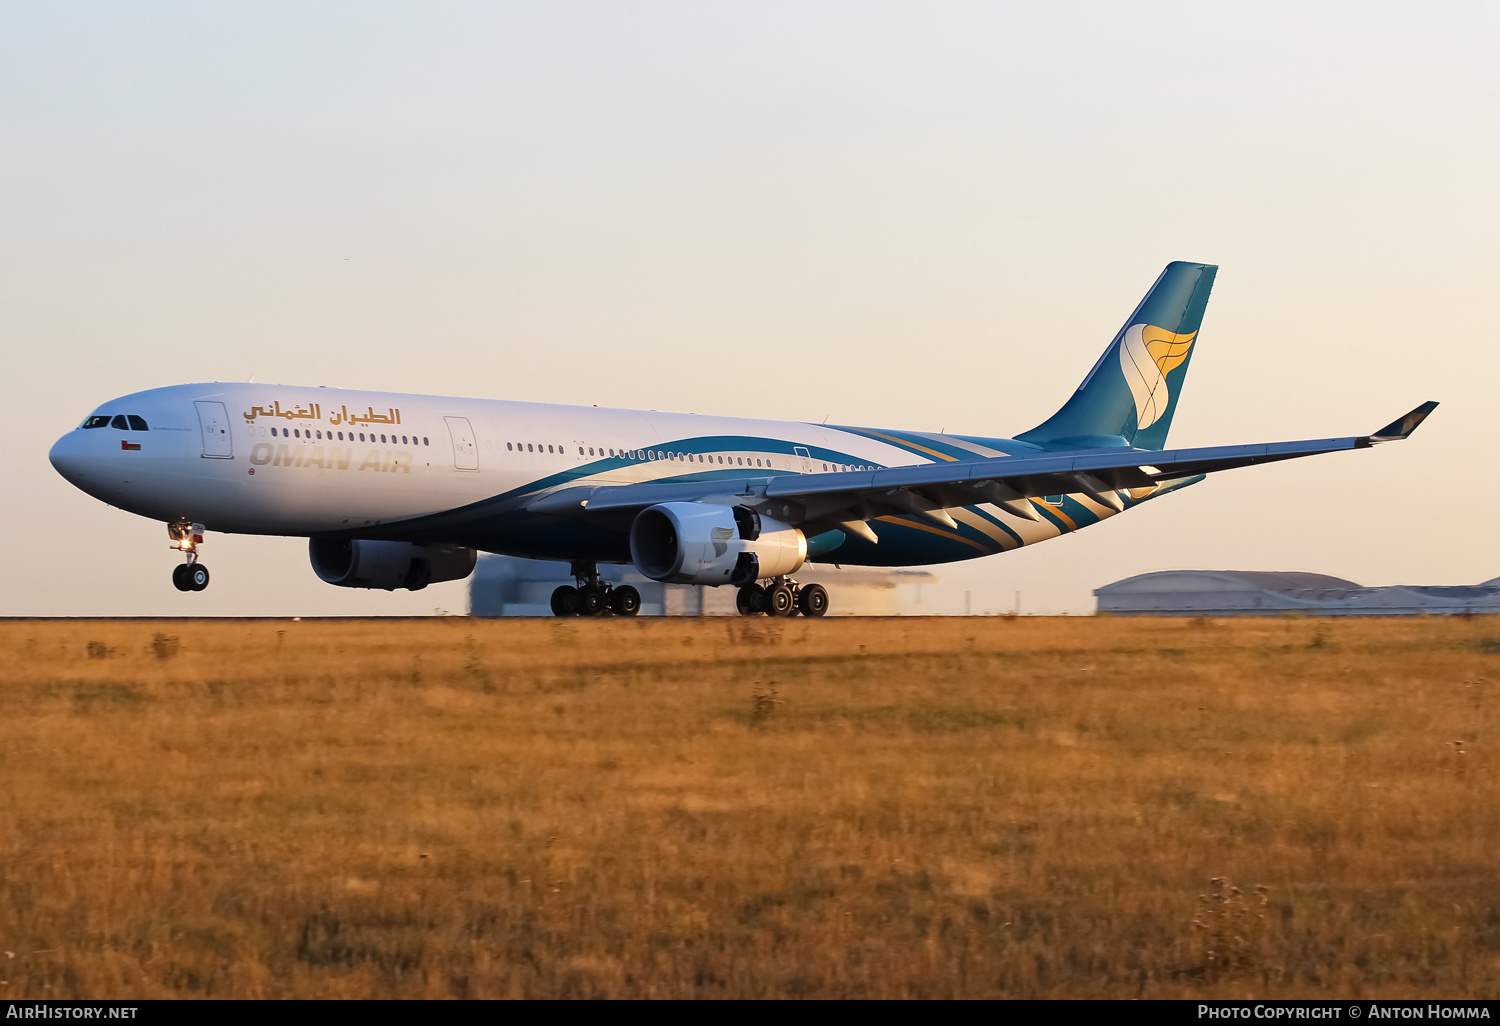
(130, 446)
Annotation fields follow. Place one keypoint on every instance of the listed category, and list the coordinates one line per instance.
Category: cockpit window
(119, 422)
(138, 423)
(97, 420)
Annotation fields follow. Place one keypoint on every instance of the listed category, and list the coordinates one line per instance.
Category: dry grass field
(705, 808)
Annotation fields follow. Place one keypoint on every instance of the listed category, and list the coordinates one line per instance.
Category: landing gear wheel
(591, 601)
(179, 577)
(779, 601)
(749, 601)
(565, 601)
(196, 576)
(813, 600)
(625, 601)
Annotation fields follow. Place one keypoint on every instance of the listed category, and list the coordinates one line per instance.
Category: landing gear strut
(186, 537)
(781, 596)
(594, 597)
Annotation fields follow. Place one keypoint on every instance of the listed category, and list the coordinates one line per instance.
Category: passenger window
(403, 439)
(361, 435)
(273, 432)
(137, 423)
(119, 422)
(341, 436)
(424, 439)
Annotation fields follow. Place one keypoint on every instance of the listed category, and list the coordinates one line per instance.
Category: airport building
(511, 586)
(1273, 593)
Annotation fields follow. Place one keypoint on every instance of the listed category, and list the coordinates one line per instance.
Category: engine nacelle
(700, 543)
(388, 565)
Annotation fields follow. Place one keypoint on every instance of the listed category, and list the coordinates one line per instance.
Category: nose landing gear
(186, 537)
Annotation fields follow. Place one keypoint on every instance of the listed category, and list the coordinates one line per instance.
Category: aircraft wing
(1006, 482)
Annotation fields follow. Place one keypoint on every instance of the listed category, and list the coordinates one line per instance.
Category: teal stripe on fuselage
(1008, 446)
(911, 441)
(705, 444)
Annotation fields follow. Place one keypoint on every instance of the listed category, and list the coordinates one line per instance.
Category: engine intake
(388, 565)
(701, 543)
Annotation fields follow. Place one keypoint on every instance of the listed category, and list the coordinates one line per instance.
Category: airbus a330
(400, 491)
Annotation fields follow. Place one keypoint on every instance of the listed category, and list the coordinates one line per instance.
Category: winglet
(1402, 427)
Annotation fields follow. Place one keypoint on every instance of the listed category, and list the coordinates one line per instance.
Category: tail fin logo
(1147, 355)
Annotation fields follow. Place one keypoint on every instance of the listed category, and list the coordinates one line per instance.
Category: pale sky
(918, 215)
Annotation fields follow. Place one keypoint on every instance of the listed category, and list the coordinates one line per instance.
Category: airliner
(400, 491)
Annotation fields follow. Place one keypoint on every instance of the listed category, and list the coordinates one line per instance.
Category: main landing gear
(594, 597)
(186, 537)
(781, 596)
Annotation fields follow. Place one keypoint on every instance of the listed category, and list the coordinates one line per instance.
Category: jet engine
(701, 543)
(388, 565)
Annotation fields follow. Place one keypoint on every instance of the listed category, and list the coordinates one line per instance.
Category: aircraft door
(806, 458)
(465, 451)
(213, 423)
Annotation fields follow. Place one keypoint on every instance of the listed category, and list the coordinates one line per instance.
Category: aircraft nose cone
(68, 458)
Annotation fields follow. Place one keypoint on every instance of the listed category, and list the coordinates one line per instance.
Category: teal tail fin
(1132, 391)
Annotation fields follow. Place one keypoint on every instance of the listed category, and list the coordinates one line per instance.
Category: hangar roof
(1234, 592)
(1284, 581)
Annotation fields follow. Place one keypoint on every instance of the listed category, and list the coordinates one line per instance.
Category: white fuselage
(285, 460)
